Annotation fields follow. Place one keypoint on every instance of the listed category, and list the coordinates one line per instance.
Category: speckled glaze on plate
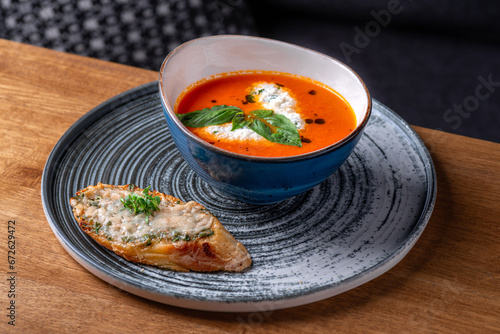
(346, 231)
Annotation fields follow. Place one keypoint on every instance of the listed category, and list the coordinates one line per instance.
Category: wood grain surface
(448, 283)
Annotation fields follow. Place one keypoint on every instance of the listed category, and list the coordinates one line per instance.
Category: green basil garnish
(273, 127)
(239, 121)
(281, 129)
(216, 115)
(146, 204)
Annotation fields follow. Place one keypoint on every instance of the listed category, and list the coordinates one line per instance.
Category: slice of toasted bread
(178, 236)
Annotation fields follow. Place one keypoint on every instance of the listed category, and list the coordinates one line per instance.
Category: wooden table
(449, 282)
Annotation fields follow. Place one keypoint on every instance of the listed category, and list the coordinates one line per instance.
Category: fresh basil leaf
(261, 113)
(240, 121)
(281, 131)
(274, 127)
(216, 115)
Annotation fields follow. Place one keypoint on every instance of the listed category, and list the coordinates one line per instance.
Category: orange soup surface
(322, 117)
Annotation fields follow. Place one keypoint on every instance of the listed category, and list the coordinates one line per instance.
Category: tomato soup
(319, 114)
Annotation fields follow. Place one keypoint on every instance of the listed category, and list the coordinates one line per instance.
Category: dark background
(428, 60)
(424, 64)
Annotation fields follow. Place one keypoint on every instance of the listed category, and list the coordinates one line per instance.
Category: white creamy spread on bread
(148, 227)
(268, 96)
(176, 221)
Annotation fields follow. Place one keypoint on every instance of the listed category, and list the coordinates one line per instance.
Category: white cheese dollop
(277, 98)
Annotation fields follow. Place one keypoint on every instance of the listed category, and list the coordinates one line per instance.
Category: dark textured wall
(436, 63)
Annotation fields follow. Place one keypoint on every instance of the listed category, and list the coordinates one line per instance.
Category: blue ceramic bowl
(258, 180)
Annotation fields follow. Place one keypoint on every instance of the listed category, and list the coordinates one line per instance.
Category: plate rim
(191, 302)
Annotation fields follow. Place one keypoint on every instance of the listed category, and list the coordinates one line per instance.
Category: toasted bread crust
(219, 251)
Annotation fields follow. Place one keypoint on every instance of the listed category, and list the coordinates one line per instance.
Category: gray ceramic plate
(346, 231)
